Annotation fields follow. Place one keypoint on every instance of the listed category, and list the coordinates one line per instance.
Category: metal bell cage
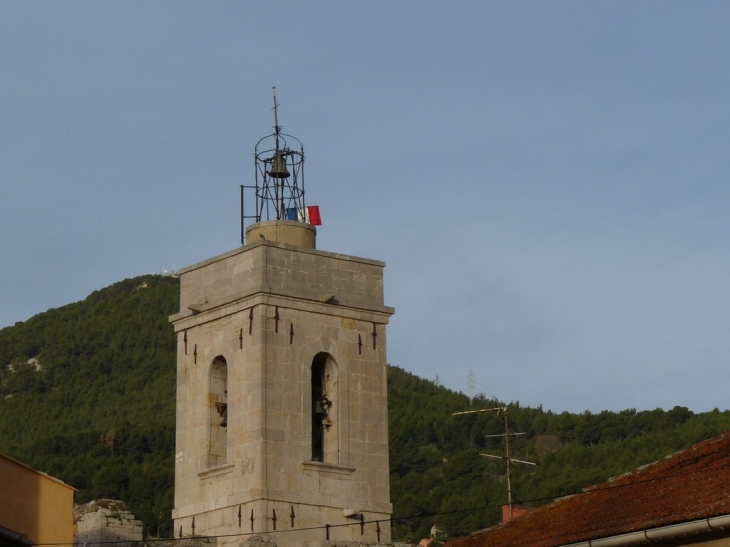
(278, 192)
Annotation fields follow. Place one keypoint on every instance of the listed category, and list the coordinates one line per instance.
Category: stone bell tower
(282, 422)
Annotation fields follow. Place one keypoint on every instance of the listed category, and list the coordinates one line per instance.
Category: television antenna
(507, 434)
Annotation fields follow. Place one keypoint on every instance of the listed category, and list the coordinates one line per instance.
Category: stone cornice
(210, 311)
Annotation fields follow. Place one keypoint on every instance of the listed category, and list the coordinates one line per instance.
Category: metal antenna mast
(507, 434)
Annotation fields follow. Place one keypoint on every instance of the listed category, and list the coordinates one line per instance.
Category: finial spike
(277, 127)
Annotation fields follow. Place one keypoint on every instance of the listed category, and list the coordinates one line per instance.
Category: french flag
(309, 214)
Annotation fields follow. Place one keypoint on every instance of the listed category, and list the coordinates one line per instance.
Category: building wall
(267, 310)
(34, 504)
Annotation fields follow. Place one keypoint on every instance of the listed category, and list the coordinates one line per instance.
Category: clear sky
(547, 181)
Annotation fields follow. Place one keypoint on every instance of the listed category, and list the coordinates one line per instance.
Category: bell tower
(282, 421)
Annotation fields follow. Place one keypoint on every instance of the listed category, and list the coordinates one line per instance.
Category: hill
(96, 405)
(87, 395)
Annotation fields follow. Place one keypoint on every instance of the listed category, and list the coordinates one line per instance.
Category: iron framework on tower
(278, 189)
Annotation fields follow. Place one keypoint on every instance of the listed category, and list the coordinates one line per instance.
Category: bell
(318, 407)
(278, 169)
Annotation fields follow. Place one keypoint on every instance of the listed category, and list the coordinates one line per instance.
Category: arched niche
(218, 412)
(324, 409)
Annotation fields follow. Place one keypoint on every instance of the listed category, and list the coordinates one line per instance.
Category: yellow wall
(34, 504)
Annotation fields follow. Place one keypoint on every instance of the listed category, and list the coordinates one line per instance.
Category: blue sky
(547, 181)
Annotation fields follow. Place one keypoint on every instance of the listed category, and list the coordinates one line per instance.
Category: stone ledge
(215, 471)
(324, 467)
(187, 320)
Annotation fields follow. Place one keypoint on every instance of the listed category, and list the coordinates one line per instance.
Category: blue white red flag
(309, 214)
(313, 216)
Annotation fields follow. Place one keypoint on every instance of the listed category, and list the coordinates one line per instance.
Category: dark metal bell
(318, 407)
(278, 169)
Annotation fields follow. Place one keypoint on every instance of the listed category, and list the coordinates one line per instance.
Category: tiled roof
(686, 486)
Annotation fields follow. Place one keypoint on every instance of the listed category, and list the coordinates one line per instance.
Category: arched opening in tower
(218, 412)
(324, 409)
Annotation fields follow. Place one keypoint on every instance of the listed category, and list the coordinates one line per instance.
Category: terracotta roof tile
(686, 486)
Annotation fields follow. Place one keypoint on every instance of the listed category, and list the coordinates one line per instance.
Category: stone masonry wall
(267, 310)
(104, 521)
(276, 268)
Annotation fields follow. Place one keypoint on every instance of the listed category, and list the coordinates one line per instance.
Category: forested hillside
(87, 395)
(98, 411)
(437, 471)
